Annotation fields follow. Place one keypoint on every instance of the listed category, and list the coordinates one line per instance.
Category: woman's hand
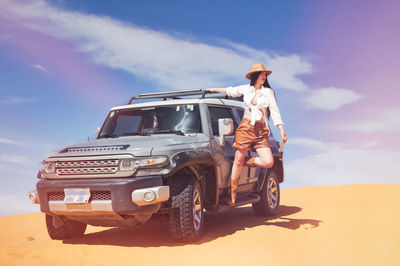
(283, 134)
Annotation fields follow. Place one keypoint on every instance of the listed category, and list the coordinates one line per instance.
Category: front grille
(101, 195)
(56, 196)
(69, 164)
(86, 167)
(87, 171)
(94, 195)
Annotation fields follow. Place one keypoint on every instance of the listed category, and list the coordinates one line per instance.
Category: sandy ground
(334, 225)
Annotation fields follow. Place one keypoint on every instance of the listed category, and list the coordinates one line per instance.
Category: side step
(243, 200)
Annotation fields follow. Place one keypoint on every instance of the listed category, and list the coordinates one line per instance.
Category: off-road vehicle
(166, 153)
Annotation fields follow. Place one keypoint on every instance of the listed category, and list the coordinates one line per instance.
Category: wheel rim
(272, 193)
(197, 210)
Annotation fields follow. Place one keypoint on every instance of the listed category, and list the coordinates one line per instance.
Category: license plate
(76, 195)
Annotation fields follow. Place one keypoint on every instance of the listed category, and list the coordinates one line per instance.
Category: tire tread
(181, 214)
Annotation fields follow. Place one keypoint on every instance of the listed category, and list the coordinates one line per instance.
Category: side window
(218, 113)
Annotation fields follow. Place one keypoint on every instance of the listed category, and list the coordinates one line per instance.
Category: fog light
(148, 196)
(34, 197)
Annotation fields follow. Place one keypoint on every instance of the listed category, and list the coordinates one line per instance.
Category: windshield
(177, 119)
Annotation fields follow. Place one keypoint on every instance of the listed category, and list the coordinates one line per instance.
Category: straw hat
(257, 68)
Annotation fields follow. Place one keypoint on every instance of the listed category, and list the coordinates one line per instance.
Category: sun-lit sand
(334, 225)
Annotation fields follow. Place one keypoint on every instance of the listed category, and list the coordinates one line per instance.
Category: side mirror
(97, 130)
(225, 126)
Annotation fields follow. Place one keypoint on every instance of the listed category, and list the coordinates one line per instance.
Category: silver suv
(151, 157)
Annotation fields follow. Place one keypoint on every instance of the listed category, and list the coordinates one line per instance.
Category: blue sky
(63, 64)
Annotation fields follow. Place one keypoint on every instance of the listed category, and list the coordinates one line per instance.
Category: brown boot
(233, 193)
(251, 162)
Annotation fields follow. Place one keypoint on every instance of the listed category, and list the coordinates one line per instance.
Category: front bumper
(124, 196)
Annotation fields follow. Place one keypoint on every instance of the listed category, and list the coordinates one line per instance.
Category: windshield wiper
(107, 136)
(166, 131)
(136, 134)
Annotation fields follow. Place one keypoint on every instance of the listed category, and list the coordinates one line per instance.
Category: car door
(225, 155)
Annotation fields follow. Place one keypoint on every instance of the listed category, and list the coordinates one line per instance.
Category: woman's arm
(276, 115)
(219, 90)
(274, 109)
(231, 91)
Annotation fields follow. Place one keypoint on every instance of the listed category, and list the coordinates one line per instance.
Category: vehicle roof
(214, 101)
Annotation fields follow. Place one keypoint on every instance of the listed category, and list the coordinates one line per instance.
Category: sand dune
(334, 225)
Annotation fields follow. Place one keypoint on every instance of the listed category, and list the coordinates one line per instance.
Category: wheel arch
(278, 167)
(202, 166)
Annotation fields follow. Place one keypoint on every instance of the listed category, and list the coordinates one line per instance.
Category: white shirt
(265, 99)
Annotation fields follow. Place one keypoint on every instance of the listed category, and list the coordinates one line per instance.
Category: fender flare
(189, 159)
(194, 161)
(278, 167)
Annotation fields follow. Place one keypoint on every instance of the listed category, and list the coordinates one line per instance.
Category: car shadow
(155, 233)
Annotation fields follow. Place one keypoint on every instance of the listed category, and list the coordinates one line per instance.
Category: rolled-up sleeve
(236, 91)
(274, 109)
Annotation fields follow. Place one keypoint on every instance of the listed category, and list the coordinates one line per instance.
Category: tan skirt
(251, 137)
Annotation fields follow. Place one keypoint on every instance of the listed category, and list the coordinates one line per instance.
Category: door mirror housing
(225, 128)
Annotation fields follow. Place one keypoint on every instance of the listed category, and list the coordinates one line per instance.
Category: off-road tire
(269, 197)
(186, 213)
(65, 229)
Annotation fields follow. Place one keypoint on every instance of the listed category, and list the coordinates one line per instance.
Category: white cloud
(40, 67)
(16, 100)
(10, 141)
(23, 141)
(16, 204)
(308, 143)
(168, 60)
(335, 166)
(16, 159)
(286, 69)
(371, 144)
(331, 98)
(386, 121)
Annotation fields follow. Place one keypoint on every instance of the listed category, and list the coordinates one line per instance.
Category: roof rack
(171, 94)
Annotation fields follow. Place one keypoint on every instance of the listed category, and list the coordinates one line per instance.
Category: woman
(253, 131)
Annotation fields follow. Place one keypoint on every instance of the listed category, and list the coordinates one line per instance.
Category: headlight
(48, 167)
(127, 165)
(159, 161)
(144, 162)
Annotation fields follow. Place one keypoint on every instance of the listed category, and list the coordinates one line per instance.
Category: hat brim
(248, 75)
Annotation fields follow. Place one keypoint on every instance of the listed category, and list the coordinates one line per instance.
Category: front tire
(186, 214)
(60, 228)
(270, 197)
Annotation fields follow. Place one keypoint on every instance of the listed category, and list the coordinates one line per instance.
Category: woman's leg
(236, 170)
(265, 158)
(238, 164)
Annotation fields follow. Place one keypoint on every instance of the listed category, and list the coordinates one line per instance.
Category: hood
(135, 145)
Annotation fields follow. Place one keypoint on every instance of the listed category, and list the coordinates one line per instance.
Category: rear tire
(269, 197)
(62, 228)
(186, 214)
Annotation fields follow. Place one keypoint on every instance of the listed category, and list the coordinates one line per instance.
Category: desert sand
(333, 225)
